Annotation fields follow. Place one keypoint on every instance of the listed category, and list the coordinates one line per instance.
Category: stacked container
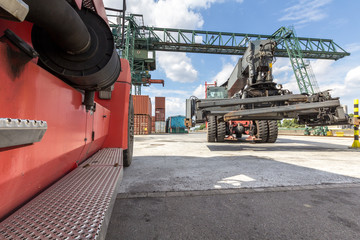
(142, 114)
(160, 115)
(176, 124)
(153, 124)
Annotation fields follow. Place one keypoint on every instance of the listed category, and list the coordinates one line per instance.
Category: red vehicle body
(28, 91)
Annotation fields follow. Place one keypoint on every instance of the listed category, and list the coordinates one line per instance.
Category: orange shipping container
(142, 124)
(142, 105)
(159, 102)
(153, 121)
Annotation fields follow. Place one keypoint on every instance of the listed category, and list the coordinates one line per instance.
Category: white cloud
(353, 47)
(234, 59)
(292, 85)
(173, 14)
(342, 79)
(281, 65)
(177, 67)
(174, 106)
(170, 13)
(321, 67)
(224, 74)
(352, 79)
(305, 11)
(164, 92)
(283, 74)
(199, 92)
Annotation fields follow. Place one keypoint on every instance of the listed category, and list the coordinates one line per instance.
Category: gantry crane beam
(139, 37)
(198, 41)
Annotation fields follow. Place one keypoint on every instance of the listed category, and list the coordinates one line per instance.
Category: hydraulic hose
(75, 45)
(59, 19)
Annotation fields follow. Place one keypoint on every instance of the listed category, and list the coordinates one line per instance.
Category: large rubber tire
(273, 131)
(211, 130)
(128, 153)
(238, 133)
(221, 131)
(262, 131)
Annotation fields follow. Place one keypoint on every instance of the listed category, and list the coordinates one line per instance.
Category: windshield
(217, 92)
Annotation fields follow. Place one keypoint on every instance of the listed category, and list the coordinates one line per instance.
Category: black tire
(237, 132)
(221, 131)
(128, 153)
(262, 131)
(211, 130)
(273, 131)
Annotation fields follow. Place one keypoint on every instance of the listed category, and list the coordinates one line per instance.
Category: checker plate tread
(72, 208)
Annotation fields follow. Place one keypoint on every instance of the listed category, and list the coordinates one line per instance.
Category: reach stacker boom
(255, 102)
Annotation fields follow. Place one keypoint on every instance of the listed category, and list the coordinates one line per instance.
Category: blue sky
(185, 74)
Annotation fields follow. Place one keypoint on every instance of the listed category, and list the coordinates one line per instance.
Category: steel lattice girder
(182, 40)
(197, 41)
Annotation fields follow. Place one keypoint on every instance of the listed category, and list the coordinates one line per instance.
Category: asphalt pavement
(181, 187)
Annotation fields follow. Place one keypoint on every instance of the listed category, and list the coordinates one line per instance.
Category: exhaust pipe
(75, 45)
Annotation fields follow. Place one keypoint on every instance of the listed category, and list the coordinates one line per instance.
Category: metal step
(78, 206)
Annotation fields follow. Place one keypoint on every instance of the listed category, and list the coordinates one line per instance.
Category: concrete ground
(181, 187)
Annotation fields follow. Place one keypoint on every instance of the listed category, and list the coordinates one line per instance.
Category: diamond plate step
(78, 206)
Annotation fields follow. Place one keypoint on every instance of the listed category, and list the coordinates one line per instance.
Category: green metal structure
(304, 75)
(140, 38)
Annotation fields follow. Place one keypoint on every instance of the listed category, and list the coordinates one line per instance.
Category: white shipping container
(160, 127)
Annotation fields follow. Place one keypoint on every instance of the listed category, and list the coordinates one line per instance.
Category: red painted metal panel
(29, 92)
(78, 3)
(21, 29)
(119, 107)
(159, 102)
(100, 9)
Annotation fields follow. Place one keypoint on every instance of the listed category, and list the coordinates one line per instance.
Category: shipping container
(142, 124)
(176, 124)
(153, 124)
(160, 127)
(150, 125)
(153, 121)
(159, 114)
(178, 130)
(142, 105)
(159, 102)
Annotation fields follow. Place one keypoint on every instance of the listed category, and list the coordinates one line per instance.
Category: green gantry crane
(141, 43)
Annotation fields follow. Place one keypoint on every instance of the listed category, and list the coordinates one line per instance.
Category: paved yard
(181, 187)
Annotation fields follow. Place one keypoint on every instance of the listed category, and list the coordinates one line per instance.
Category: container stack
(176, 124)
(160, 115)
(153, 124)
(142, 114)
